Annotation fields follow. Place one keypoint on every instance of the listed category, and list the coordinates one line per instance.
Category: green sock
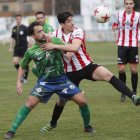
(35, 71)
(85, 114)
(20, 117)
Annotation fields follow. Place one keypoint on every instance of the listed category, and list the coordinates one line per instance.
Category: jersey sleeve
(26, 60)
(56, 40)
(47, 28)
(116, 20)
(139, 19)
(12, 34)
(50, 29)
(78, 34)
(53, 34)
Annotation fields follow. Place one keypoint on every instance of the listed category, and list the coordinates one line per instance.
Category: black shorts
(128, 55)
(19, 51)
(85, 73)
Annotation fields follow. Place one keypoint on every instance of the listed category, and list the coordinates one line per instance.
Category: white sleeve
(116, 18)
(78, 33)
(53, 34)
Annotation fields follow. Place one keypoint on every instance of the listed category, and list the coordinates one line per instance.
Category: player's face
(68, 26)
(40, 18)
(18, 20)
(39, 33)
(129, 5)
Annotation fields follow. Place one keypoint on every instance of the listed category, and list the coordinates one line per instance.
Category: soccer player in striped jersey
(78, 65)
(51, 78)
(127, 24)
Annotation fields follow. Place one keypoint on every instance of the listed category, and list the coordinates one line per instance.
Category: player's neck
(40, 42)
(129, 12)
(66, 31)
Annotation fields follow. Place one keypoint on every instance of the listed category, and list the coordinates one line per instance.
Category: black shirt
(19, 34)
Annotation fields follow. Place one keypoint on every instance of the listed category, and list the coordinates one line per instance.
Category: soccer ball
(102, 14)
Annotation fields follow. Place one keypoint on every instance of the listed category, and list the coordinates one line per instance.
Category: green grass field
(112, 120)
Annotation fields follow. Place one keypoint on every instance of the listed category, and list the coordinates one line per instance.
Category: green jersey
(47, 28)
(49, 63)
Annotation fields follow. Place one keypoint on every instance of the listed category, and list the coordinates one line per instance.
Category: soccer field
(112, 119)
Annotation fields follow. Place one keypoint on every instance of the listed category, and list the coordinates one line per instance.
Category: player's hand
(10, 49)
(19, 88)
(48, 37)
(47, 46)
(69, 55)
(114, 27)
(139, 45)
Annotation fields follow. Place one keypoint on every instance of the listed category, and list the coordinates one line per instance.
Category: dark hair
(31, 27)
(40, 12)
(62, 17)
(18, 15)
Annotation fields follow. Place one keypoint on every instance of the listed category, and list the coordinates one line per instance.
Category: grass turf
(112, 120)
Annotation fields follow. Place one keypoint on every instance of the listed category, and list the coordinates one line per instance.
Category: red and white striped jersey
(128, 25)
(79, 59)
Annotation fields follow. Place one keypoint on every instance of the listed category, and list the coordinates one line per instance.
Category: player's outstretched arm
(73, 47)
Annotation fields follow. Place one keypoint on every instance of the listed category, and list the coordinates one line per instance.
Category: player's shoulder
(32, 48)
(23, 27)
(121, 12)
(137, 13)
(47, 25)
(14, 27)
(78, 30)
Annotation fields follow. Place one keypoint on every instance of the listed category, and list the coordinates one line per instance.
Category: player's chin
(43, 38)
(72, 28)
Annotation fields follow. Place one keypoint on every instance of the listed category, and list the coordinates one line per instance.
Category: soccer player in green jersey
(40, 18)
(47, 28)
(51, 78)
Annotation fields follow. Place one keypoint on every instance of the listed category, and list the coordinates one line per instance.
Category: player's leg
(134, 77)
(26, 74)
(57, 111)
(122, 77)
(16, 62)
(21, 54)
(101, 73)
(133, 59)
(21, 116)
(122, 61)
(81, 101)
(75, 77)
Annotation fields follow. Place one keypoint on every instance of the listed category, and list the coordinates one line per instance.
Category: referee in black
(19, 44)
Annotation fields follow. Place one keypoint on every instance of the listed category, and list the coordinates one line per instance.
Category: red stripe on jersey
(56, 33)
(84, 52)
(77, 55)
(137, 42)
(65, 64)
(119, 31)
(131, 32)
(73, 66)
(123, 30)
(137, 27)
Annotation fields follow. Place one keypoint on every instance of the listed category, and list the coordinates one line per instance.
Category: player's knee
(133, 71)
(31, 104)
(15, 62)
(61, 102)
(107, 76)
(82, 103)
